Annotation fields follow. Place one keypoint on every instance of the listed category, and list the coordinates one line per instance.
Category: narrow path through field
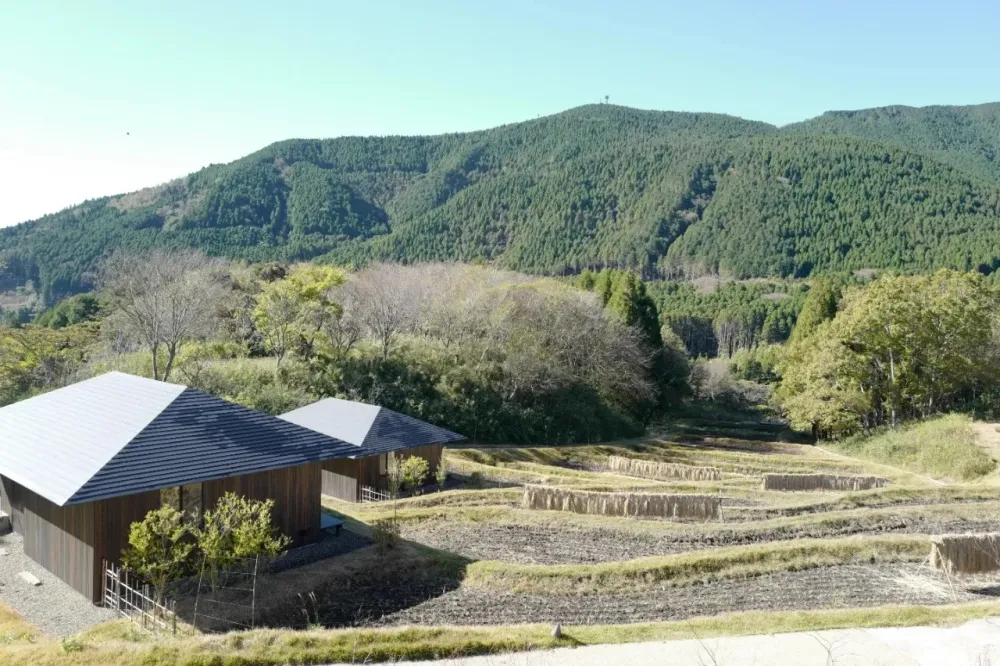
(971, 644)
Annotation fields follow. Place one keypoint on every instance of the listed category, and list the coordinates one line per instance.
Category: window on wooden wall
(186, 499)
(383, 464)
(171, 497)
(191, 502)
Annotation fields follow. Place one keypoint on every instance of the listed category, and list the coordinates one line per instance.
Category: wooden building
(376, 432)
(79, 465)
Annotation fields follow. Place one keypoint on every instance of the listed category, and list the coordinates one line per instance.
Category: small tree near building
(159, 550)
(415, 472)
(235, 530)
(441, 473)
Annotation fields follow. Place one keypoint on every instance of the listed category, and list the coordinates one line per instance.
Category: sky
(100, 98)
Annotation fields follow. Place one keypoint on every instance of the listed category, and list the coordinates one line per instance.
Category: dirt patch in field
(530, 544)
(828, 587)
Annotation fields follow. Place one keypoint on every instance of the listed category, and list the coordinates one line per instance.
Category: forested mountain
(669, 193)
(967, 137)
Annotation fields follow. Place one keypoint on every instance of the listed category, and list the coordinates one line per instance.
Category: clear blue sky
(199, 82)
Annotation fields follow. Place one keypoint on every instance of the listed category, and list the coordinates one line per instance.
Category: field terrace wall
(966, 553)
(635, 505)
(801, 482)
(648, 469)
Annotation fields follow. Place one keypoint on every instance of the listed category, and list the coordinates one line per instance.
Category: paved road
(975, 643)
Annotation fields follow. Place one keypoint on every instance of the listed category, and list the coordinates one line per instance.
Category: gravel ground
(54, 607)
(528, 544)
(828, 587)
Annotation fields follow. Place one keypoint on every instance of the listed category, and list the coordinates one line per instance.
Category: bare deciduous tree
(164, 298)
(385, 301)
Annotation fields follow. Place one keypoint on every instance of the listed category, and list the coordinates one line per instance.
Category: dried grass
(966, 553)
(822, 482)
(679, 507)
(648, 469)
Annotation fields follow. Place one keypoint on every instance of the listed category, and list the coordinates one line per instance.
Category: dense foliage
(902, 347)
(598, 186)
(494, 355)
(722, 319)
(966, 137)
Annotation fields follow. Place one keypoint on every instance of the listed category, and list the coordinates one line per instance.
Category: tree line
(498, 356)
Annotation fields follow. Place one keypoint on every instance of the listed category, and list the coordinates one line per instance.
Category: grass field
(944, 448)
(476, 572)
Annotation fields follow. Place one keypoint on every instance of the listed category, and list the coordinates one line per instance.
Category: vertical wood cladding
(113, 520)
(295, 491)
(74, 541)
(61, 539)
(344, 478)
(340, 479)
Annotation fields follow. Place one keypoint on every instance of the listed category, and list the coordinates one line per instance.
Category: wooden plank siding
(60, 538)
(295, 491)
(73, 541)
(344, 478)
(340, 479)
(113, 520)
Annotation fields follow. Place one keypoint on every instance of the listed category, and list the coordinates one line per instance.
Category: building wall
(343, 478)
(74, 542)
(340, 479)
(295, 491)
(61, 539)
(113, 519)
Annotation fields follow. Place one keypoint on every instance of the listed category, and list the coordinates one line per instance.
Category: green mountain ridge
(672, 194)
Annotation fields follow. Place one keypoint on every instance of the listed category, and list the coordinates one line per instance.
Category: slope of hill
(598, 185)
(966, 137)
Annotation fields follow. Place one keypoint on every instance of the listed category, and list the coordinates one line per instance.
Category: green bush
(415, 472)
(159, 549)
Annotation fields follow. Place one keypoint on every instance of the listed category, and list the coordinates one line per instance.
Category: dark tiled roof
(392, 431)
(372, 429)
(199, 437)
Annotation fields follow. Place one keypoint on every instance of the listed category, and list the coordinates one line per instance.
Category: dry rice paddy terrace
(770, 550)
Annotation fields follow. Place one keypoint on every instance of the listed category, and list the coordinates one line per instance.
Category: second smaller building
(376, 432)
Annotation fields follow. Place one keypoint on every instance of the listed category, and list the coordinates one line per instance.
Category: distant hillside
(966, 137)
(599, 185)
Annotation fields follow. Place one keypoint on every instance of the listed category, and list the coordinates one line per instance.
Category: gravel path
(54, 607)
(828, 587)
(529, 544)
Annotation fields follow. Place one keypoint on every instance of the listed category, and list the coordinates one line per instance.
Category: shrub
(159, 550)
(415, 472)
(237, 529)
(441, 473)
(385, 534)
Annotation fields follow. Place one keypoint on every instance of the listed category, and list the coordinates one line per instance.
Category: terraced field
(500, 563)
